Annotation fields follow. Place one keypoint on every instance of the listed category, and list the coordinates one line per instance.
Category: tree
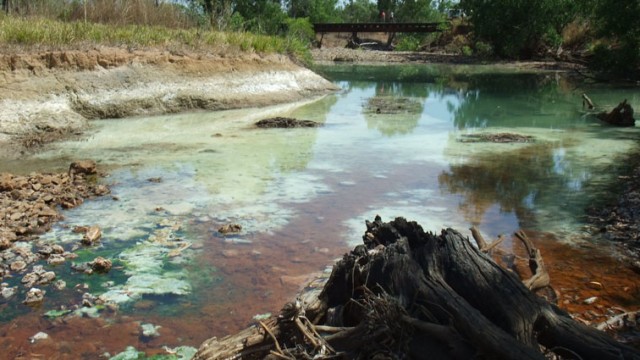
(317, 11)
(409, 10)
(260, 16)
(618, 21)
(359, 11)
(518, 28)
(218, 11)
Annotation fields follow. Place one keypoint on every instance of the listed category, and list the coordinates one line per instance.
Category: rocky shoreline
(29, 206)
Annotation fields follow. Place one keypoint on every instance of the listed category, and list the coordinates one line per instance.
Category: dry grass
(41, 33)
(576, 34)
(118, 12)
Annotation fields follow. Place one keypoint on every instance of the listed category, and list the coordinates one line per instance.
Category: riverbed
(405, 140)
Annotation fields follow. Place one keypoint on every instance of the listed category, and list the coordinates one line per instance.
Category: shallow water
(394, 142)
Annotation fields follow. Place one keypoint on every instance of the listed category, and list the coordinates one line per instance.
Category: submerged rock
(150, 330)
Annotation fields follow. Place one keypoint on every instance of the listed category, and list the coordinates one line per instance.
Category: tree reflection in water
(515, 181)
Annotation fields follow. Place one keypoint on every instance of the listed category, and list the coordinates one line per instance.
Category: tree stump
(410, 294)
(621, 115)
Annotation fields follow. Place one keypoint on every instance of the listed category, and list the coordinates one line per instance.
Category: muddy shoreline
(53, 94)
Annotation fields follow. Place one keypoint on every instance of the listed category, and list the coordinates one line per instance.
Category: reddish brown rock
(92, 235)
(86, 167)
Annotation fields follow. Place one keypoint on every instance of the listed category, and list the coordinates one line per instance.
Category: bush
(483, 50)
(301, 29)
(408, 43)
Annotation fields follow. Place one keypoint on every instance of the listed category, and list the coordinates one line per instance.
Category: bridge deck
(377, 27)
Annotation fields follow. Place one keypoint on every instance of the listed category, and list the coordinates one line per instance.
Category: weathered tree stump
(410, 294)
(621, 115)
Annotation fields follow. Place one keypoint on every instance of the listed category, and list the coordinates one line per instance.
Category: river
(395, 141)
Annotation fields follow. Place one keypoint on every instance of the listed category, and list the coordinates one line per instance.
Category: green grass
(39, 33)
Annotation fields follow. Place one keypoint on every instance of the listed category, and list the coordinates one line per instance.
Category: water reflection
(515, 180)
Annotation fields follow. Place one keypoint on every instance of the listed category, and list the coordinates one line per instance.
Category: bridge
(386, 27)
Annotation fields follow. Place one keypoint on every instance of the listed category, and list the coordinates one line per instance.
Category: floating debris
(502, 138)
(283, 122)
(230, 229)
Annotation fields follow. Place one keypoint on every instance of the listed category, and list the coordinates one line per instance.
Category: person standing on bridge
(391, 16)
(382, 16)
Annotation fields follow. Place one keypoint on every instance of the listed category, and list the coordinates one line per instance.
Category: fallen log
(410, 294)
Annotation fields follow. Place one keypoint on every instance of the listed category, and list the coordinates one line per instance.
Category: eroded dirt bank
(58, 91)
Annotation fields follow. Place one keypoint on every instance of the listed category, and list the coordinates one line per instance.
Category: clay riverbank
(50, 94)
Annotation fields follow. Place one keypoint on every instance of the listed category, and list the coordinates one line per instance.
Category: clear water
(302, 195)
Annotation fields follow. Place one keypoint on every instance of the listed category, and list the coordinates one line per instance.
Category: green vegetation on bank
(602, 33)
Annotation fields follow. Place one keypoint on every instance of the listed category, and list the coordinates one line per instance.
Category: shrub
(483, 50)
(408, 43)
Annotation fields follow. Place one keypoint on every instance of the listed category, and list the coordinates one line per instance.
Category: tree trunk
(411, 294)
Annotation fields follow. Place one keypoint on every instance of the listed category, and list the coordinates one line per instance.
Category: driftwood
(410, 294)
(621, 115)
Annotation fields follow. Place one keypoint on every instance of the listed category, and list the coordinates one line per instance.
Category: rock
(56, 259)
(7, 183)
(102, 190)
(92, 235)
(86, 167)
(18, 265)
(38, 337)
(8, 292)
(5, 243)
(100, 264)
(230, 229)
(34, 296)
(150, 330)
(59, 284)
(7, 235)
(47, 277)
(47, 211)
(590, 300)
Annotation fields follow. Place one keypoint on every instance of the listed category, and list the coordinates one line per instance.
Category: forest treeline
(602, 33)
